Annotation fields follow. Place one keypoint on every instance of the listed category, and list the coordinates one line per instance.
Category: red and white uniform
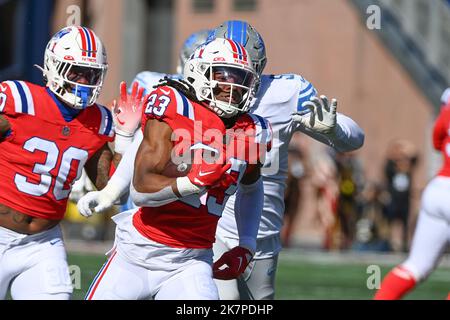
(432, 232)
(191, 221)
(44, 153)
(166, 252)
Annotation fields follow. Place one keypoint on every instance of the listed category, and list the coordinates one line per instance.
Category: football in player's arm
(178, 215)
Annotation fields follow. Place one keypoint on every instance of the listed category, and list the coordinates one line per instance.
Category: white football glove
(322, 115)
(98, 200)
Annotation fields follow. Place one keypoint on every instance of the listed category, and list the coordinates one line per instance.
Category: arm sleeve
(123, 175)
(348, 135)
(248, 208)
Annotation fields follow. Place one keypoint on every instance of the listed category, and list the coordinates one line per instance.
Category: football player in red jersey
(47, 135)
(432, 234)
(163, 250)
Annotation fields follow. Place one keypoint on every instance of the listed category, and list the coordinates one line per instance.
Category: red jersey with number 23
(191, 221)
(44, 154)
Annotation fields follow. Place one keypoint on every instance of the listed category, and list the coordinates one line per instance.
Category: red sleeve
(7, 105)
(161, 105)
(257, 131)
(441, 127)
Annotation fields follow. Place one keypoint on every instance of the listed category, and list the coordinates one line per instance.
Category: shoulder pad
(255, 125)
(17, 97)
(106, 126)
(167, 102)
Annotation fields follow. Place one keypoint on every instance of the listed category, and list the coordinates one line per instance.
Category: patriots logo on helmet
(61, 33)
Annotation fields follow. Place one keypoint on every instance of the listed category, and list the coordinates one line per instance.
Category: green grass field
(303, 278)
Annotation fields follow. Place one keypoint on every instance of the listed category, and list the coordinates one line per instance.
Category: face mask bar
(79, 94)
(232, 82)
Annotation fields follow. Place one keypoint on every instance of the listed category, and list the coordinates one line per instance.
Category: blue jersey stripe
(109, 122)
(23, 97)
(307, 88)
(304, 99)
(263, 123)
(185, 105)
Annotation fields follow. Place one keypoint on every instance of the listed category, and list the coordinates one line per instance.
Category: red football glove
(237, 260)
(205, 174)
(127, 112)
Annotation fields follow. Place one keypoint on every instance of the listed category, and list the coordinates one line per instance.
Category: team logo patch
(65, 131)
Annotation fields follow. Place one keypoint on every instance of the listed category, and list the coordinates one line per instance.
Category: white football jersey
(277, 99)
(279, 96)
(148, 79)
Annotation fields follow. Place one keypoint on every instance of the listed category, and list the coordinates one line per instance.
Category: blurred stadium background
(387, 74)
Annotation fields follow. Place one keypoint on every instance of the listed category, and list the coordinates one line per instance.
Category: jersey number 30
(43, 169)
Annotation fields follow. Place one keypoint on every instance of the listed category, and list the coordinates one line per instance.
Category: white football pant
(35, 266)
(432, 232)
(139, 268)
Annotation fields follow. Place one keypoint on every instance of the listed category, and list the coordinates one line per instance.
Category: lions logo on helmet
(221, 73)
(75, 66)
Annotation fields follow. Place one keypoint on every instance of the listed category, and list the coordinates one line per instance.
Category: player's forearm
(347, 136)
(99, 166)
(120, 181)
(248, 208)
(158, 192)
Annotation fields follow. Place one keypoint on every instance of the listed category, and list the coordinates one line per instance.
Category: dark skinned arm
(98, 167)
(152, 157)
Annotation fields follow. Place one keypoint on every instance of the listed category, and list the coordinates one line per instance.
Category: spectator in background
(372, 230)
(297, 172)
(325, 181)
(399, 167)
(350, 179)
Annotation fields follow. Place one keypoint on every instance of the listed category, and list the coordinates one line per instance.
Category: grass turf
(303, 279)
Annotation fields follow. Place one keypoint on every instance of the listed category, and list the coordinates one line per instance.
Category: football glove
(127, 113)
(322, 115)
(98, 200)
(236, 260)
(205, 174)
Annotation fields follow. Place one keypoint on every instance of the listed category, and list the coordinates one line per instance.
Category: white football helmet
(222, 73)
(75, 66)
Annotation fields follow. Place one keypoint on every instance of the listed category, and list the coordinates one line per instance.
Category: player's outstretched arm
(118, 185)
(324, 124)
(248, 208)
